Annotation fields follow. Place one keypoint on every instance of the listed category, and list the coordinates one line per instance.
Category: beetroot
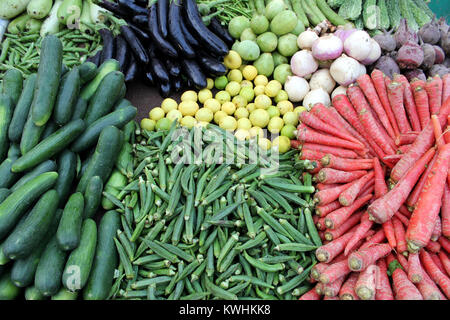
(445, 35)
(387, 65)
(447, 62)
(386, 41)
(429, 55)
(410, 56)
(430, 32)
(438, 69)
(440, 55)
(415, 73)
(404, 34)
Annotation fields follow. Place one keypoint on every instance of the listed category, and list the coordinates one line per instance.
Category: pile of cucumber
(62, 135)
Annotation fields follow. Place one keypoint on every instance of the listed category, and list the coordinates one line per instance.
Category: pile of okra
(202, 229)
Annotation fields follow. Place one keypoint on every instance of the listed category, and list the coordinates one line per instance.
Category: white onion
(316, 96)
(303, 63)
(345, 70)
(339, 90)
(322, 79)
(296, 88)
(327, 47)
(374, 55)
(358, 45)
(306, 39)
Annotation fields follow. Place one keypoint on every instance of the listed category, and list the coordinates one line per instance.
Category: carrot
(414, 268)
(445, 244)
(437, 261)
(320, 224)
(403, 288)
(366, 285)
(306, 134)
(403, 261)
(384, 290)
(295, 144)
(347, 291)
(404, 149)
(342, 229)
(433, 88)
(376, 238)
(435, 273)
(404, 211)
(416, 82)
(437, 130)
(330, 298)
(348, 196)
(384, 208)
(328, 252)
(428, 288)
(322, 211)
(424, 216)
(314, 122)
(423, 105)
(319, 288)
(325, 186)
(380, 185)
(437, 230)
(306, 154)
(415, 194)
(366, 85)
(334, 272)
(324, 114)
(410, 105)
(395, 95)
(329, 175)
(317, 167)
(336, 218)
(341, 152)
(310, 295)
(445, 87)
(394, 158)
(404, 220)
(445, 260)
(361, 259)
(399, 231)
(433, 246)
(406, 138)
(368, 188)
(332, 289)
(389, 231)
(318, 269)
(338, 163)
(359, 233)
(380, 86)
(327, 196)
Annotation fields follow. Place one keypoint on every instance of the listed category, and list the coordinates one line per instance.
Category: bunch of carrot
(381, 155)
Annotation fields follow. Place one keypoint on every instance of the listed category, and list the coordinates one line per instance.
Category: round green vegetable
(274, 7)
(278, 58)
(264, 64)
(259, 24)
(267, 41)
(237, 25)
(284, 22)
(299, 28)
(248, 34)
(287, 44)
(248, 50)
(281, 73)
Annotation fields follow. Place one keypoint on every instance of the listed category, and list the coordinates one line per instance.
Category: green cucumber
(115, 183)
(31, 135)
(50, 128)
(13, 207)
(45, 166)
(26, 236)
(93, 196)
(79, 263)
(395, 15)
(14, 151)
(88, 70)
(69, 230)
(50, 269)
(80, 108)
(4, 193)
(108, 92)
(122, 103)
(106, 259)
(406, 12)
(6, 112)
(90, 136)
(106, 67)
(7, 177)
(64, 294)
(384, 15)
(22, 109)
(350, 9)
(49, 147)
(104, 157)
(67, 166)
(12, 84)
(8, 291)
(32, 293)
(48, 78)
(69, 9)
(67, 97)
(85, 163)
(371, 14)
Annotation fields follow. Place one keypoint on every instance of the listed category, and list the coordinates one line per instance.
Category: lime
(273, 111)
(188, 122)
(275, 125)
(290, 117)
(288, 131)
(233, 88)
(163, 124)
(244, 123)
(204, 114)
(223, 96)
(174, 115)
(221, 82)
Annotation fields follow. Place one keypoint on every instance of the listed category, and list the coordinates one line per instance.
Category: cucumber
(105, 97)
(79, 263)
(384, 15)
(47, 82)
(371, 14)
(13, 207)
(6, 111)
(122, 103)
(32, 293)
(124, 162)
(93, 196)
(3, 258)
(26, 236)
(67, 166)
(106, 259)
(50, 128)
(14, 151)
(104, 157)
(406, 12)
(4, 193)
(85, 163)
(64, 294)
(80, 108)
(49, 147)
(69, 230)
(50, 268)
(67, 97)
(39, 9)
(350, 9)
(31, 135)
(7, 177)
(12, 84)
(45, 166)
(88, 70)
(115, 183)
(69, 9)
(106, 67)
(8, 291)
(22, 109)
(395, 15)
(90, 136)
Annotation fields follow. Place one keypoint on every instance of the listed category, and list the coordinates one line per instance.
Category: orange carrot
(393, 158)
(330, 298)
(423, 105)
(445, 260)
(361, 259)
(404, 148)
(329, 175)
(310, 295)
(414, 268)
(351, 222)
(433, 246)
(410, 105)
(319, 288)
(428, 288)
(318, 269)
(322, 211)
(437, 130)
(403, 261)
(324, 186)
(338, 163)
(395, 95)
(384, 208)
(359, 233)
(445, 87)
(445, 244)
(406, 138)
(327, 196)
(368, 188)
(347, 291)
(332, 289)
(389, 231)
(324, 114)
(424, 216)
(367, 281)
(415, 194)
(434, 92)
(404, 220)
(436, 260)
(384, 290)
(336, 218)
(403, 288)
(380, 185)
(341, 152)
(437, 230)
(295, 144)
(306, 154)
(417, 83)
(334, 272)
(435, 274)
(377, 238)
(328, 252)
(317, 167)
(320, 224)
(400, 236)
(348, 196)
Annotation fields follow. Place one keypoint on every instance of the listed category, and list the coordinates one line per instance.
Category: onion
(343, 34)
(303, 63)
(316, 96)
(346, 70)
(358, 45)
(296, 88)
(322, 79)
(328, 47)
(339, 90)
(374, 55)
(306, 39)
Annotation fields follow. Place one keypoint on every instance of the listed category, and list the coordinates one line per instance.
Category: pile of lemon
(245, 103)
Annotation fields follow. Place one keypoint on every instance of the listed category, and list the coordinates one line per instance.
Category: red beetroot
(403, 288)
(347, 291)
(409, 56)
(361, 259)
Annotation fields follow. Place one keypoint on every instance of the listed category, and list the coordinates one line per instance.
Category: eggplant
(122, 53)
(162, 44)
(132, 71)
(177, 83)
(148, 77)
(176, 33)
(163, 7)
(95, 59)
(188, 36)
(113, 7)
(159, 70)
(131, 7)
(207, 38)
(142, 3)
(135, 44)
(194, 73)
(165, 89)
(140, 20)
(140, 33)
(219, 30)
(108, 44)
(211, 66)
(173, 67)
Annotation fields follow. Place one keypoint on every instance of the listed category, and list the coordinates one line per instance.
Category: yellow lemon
(262, 102)
(233, 88)
(264, 143)
(148, 124)
(209, 83)
(259, 90)
(174, 115)
(272, 88)
(273, 111)
(282, 143)
(291, 118)
(201, 124)
(247, 93)
(281, 96)
(239, 101)
(242, 134)
(244, 123)
(156, 113)
(219, 115)
(204, 95)
(256, 132)
(169, 104)
(232, 60)
(204, 114)
(285, 106)
(261, 80)
(275, 125)
(223, 96)
(250, 107)
(189, 95)
(246, 83)
(228, 123)
(259, 118)
(300, 109)
(241, 112)
(229, 108)
(212, 104)
(249, 72)
(235, 75)
(188, 108)
(188, 122)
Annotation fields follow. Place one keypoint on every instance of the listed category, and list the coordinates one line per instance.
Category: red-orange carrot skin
(437, 131)
(433, 246)
(317, 168)
(327, 196)
(403, 288)
(306, 154)
(417, 83)
(366, 85)
(338, 163)
(384, 208)
(428, 289)
(445, 87)
(367, 280)
(350, 224)
(433, 88)
(410, 105)
(341, 152)
(324, 114)
(400, 235)
(376, 238)
(338, 217)
(334, 272)
(447, 134)
(394, 158)
(388, 228)
(404, 220)
(348, 196)
(415, 194)
(320, 224)
(445, 260)
(359, 233)
(423, 105)
(436, 260)
(437, 230)
(403, 261)
(319, 288)
(445, 244)
(322, 211)
(404, 149)
(424, 216)
(380, 184)
(395, 95)
(380, 86)
(330, 175)
(406, 138)
(368, 255)
(367, 189)
(347, 291)
(384, 290)
(295, 144)
(318, 269)
(435, 273)
(324, 186)
(332, 289)
(414, 268)
(310, 295)
(333, 248)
